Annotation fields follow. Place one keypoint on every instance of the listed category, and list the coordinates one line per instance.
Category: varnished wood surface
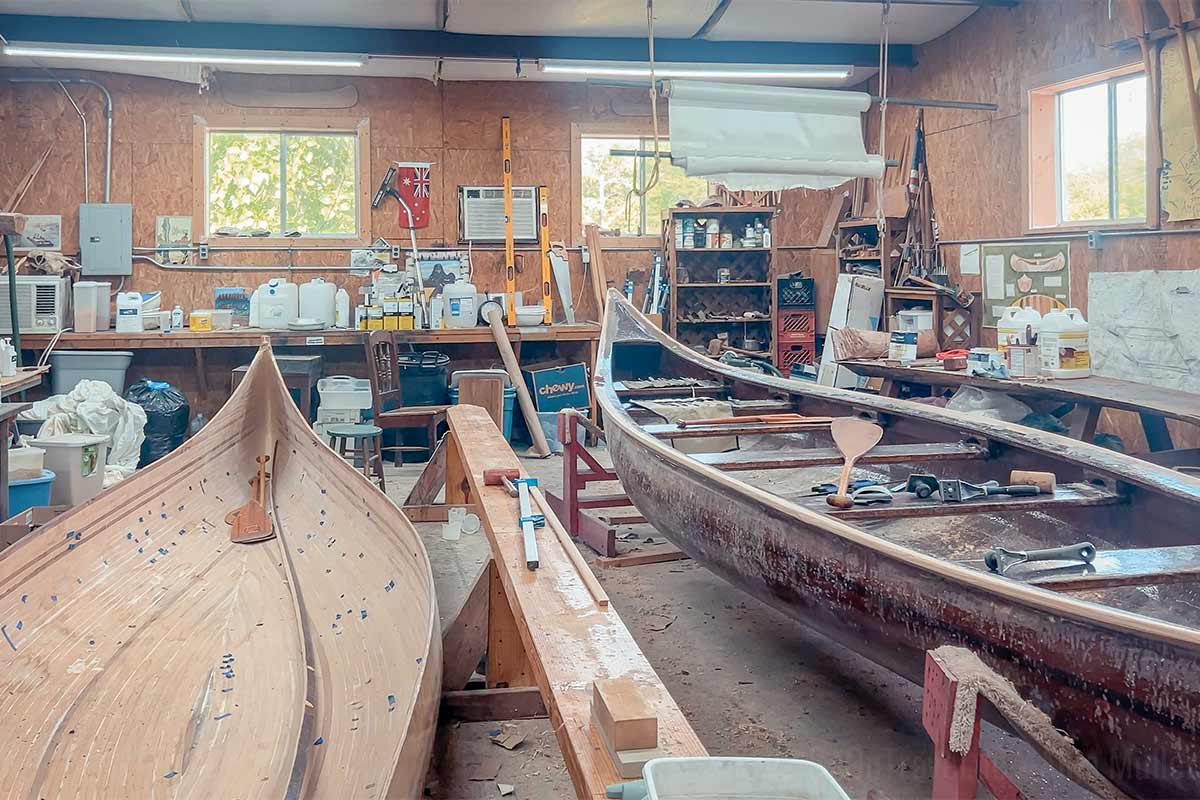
(26, 378)
(821, 456)
(568, 639)
(250, 337)
(1093, 390)
(145, 655)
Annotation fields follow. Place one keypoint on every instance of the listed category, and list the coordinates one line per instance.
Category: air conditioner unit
(481, 214)
(43, 304)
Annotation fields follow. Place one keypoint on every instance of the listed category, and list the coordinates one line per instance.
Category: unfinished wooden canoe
(1111, 651)
(146, 655)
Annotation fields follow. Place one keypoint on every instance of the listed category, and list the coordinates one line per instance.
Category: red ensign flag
(412, 184)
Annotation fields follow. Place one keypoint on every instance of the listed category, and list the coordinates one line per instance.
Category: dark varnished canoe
(1115, 666)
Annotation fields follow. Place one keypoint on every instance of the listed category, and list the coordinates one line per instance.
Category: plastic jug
(275, 304)
(1017, 326)
(8, 358)
(129, 312)
(1063, 345)
(460, 308)
(318, 300)
(341, 309)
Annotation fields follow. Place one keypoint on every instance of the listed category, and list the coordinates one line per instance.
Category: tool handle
(1014, 491)
(1084, 551)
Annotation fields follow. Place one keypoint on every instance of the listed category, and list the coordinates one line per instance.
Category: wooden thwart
(669, 431)
(823, 456)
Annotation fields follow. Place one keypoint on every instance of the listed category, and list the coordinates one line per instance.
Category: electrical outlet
(396, 254)
(202, 251)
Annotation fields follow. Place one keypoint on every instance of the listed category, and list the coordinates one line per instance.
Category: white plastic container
(90, 301)
(461, 310)
(725, 778)
(914, 319)
(129, 312)
(274, 304)
(1063, 344)
(8, 358)
(318, 300)
(78, 460)
(341, 309)
(177, 318)
(1018, 326)
(343, 391)
(25, 463)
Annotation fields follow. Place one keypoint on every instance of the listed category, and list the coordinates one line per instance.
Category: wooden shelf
(722, 321)
(757, 211)
(727, 284)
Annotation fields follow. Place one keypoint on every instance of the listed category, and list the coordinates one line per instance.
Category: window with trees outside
(1088, 147)
(284, 182)
(608, 180)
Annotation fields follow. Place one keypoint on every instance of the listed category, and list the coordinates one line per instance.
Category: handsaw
(250, 522)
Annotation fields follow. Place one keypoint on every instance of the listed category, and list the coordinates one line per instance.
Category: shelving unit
(695, 289)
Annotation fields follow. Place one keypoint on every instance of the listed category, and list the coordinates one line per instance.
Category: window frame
(359, 127)
(1043, 168)
(631, 128)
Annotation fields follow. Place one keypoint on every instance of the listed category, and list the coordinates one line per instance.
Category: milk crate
(796, 327)
(795, 293)
(795, 354)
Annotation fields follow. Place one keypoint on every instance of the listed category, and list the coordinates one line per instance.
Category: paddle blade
(250, 523)
(854, 436)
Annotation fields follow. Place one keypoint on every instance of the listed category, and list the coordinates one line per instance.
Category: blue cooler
(510, 398)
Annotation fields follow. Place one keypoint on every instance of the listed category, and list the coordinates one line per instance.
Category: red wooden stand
(579, 469)
(957, 776)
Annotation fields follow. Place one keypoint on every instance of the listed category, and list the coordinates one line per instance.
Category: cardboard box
(555, 386)
(857, 303)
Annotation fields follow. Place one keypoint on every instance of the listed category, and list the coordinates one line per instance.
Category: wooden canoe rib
(145, 655)
(1117, 667)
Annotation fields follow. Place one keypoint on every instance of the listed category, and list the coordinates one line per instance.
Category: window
(606, 182)
(1088, 151)
(283, 181)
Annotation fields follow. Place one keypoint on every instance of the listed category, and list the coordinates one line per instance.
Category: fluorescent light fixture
(232, 57)
(626, 69)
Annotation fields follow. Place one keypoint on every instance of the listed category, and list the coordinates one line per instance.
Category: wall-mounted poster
(42, 232)
(1181, 156)
(173, 231)
(1032, 274)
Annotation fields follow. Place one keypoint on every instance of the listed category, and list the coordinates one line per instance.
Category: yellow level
(544, 246)
(510, 261)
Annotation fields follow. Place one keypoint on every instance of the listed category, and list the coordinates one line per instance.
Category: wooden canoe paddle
(250, 522)
(853, 437)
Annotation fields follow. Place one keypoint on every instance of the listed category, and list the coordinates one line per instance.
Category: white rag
(94, 407)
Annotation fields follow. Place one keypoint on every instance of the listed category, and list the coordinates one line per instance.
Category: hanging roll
(769, 138)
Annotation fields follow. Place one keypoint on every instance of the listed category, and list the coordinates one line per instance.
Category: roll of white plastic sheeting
(769, 138)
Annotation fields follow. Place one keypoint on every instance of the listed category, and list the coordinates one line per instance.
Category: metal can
(723, 275)
(726, 240)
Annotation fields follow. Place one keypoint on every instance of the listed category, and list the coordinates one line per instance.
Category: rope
(884, 41)
(653, 181)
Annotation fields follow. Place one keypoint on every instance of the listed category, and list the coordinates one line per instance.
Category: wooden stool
(363, 441)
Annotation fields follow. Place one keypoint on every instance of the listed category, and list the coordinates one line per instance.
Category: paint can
(903, 346)
(1024, 360)
(723, 275)
(984, 361)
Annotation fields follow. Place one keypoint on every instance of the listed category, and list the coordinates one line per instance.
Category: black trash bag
(167, 413)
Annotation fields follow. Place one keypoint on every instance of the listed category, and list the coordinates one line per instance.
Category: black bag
(167, 413)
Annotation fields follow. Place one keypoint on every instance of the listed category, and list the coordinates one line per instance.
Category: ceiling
(477, 25)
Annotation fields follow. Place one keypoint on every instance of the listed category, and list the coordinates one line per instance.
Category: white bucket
(728, 778)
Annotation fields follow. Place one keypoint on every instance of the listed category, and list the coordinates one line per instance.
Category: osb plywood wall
(454, 125)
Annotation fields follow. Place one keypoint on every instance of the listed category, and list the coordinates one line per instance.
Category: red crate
(796, 327)
(795, 354)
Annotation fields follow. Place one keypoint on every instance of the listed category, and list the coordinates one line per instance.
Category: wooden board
(822, 456)
(26, 378)
(145, 655)
(639, 559)
(464, 637)
(670, 431)
(570, 642)
(487, 393)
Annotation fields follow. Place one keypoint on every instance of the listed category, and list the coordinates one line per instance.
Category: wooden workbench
(1153, 404)
(26, 378)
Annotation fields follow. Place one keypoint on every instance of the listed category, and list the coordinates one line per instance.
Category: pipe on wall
(83, 122)
(108, 118)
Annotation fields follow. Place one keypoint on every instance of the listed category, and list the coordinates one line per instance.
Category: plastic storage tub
(92, 304)
(78, 460)
(25, 462)
(342, 391)
(510, 397)
(69, 367)
(739, 779)
(26, 494)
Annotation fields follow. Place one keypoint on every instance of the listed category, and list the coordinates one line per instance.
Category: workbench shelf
(861, 250)
(723, 283)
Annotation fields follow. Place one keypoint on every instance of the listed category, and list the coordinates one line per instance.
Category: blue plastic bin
(30, 492)
(510, 399)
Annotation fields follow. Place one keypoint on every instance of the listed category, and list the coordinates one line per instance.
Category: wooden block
(485, 392)
(12, 224)
(621, 713)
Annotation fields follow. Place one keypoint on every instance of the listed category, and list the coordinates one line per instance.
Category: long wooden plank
(1149, 566)
(823, 456)
(569, 641)
(1067, 495)
(671, 431)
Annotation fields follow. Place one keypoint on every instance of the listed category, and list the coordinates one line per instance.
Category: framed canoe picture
(1032, 274)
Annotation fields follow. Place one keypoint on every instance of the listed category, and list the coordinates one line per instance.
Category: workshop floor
(752, 682)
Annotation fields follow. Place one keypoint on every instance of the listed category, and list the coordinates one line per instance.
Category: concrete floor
(751, 681)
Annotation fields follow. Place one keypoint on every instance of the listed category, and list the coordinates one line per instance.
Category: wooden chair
(384, 373)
